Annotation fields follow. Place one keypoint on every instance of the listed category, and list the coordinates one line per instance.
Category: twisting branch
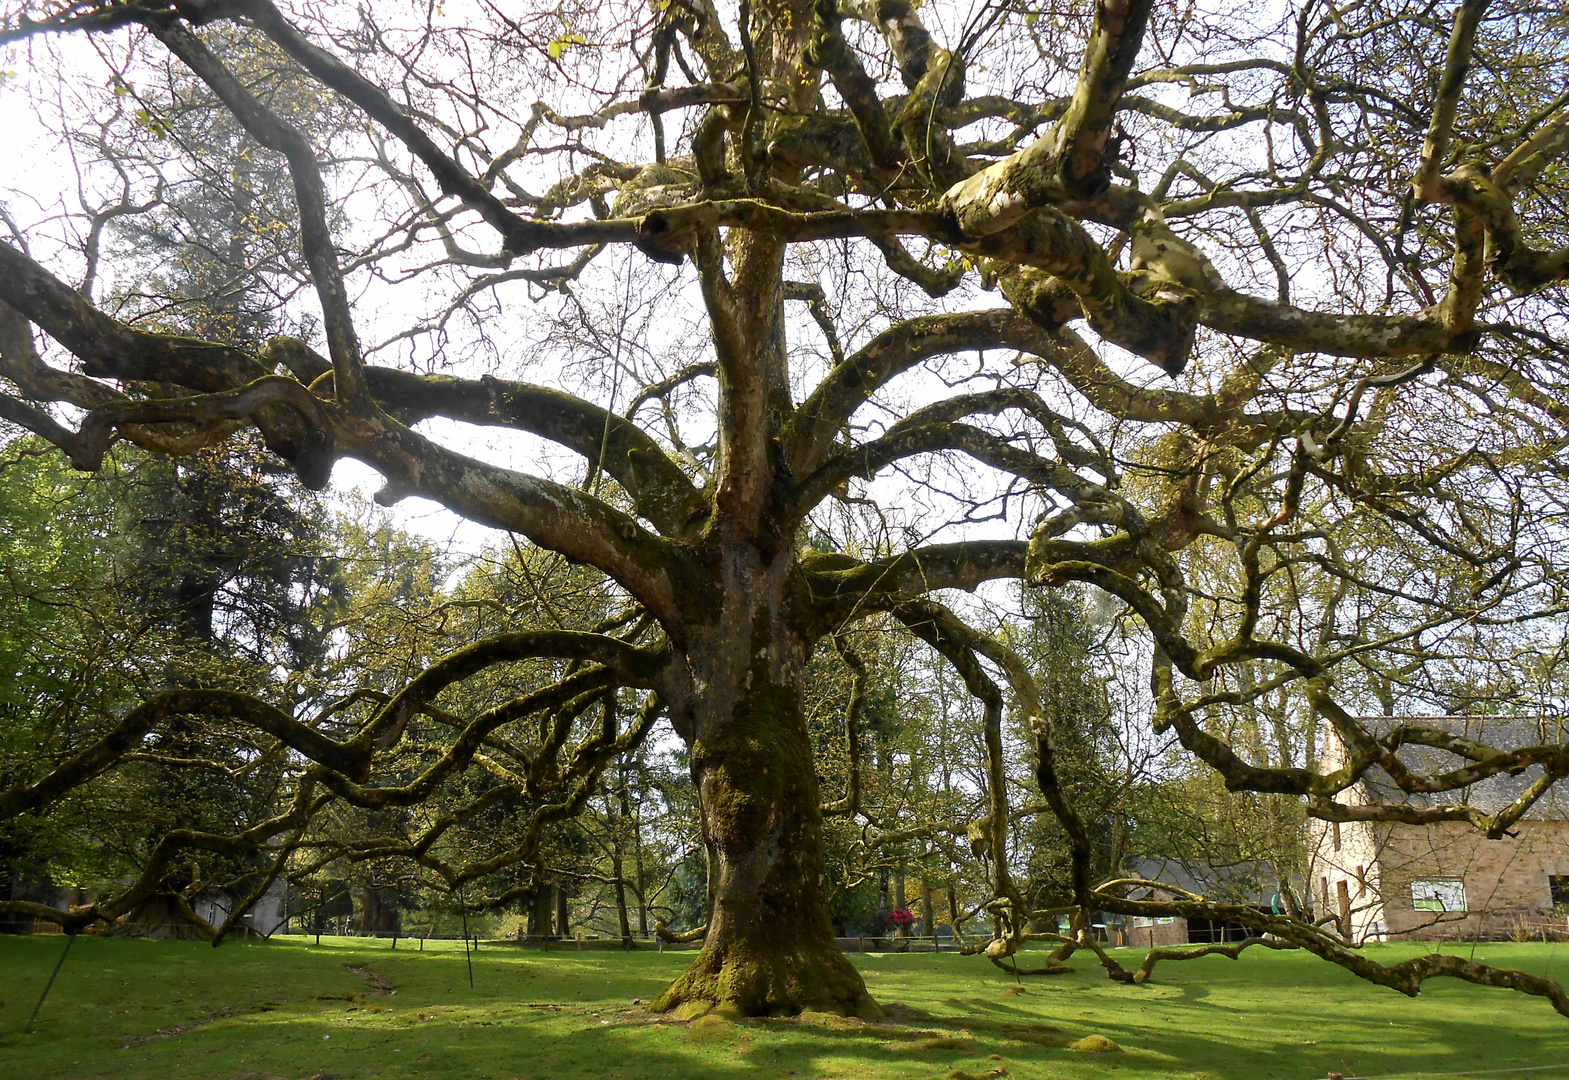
(1456, 67)
(310, 194)
(850, 804)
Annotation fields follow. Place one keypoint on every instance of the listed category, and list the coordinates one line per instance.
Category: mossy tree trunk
(770, 947)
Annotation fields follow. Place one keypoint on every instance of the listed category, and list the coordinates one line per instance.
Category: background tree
(96, 620)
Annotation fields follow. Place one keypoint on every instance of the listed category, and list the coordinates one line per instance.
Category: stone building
(1390, 881)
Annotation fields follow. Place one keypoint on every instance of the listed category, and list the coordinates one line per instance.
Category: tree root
(771, 982)
(679, 937)
(1154, 956)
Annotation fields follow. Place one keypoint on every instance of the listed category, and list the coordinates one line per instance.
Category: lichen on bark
(770, 948)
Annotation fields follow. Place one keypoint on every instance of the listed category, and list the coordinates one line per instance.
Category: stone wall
(1151, 933)
(1505, 880)
(1372, 870)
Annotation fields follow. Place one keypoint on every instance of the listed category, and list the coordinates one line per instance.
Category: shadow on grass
(631, 1048)
(570, 1016)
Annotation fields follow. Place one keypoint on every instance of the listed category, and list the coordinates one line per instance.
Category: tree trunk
(618, 865)
(160, 917)
(563, 913)
(770, 948)
(637, 857)
(379, 914)
(539, 913)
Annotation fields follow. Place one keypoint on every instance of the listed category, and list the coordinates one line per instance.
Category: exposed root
(902, 1030)
(679, 937)
(786, 983)
(1154, 956)
(929, 1044)
(133, 1041)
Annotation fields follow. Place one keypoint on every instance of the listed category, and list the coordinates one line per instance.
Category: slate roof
(1488, 796)
(1253, 883)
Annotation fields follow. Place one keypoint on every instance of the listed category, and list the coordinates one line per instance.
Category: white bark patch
(986, 202)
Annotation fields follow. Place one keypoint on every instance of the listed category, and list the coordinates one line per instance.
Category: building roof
(1490, 795)
(1252, 883)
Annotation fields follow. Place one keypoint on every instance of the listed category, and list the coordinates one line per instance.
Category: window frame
(1432, 886)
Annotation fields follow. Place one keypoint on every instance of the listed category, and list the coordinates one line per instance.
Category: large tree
(1251, 318)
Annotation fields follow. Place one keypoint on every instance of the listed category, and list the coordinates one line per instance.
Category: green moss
(690, 1010)
(763, 982)
(769, 948)
(831, 1019)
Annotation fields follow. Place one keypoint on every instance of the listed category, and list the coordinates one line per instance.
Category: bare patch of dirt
(929, 1044)
(133, 1041)
(378, 983)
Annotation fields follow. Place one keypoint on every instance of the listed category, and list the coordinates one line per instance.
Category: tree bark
(379, 913)
(637, 855)
(617, 863)
(539, 913)
(899, 902)
(770, 948)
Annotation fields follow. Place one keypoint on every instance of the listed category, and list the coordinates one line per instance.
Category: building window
(1558, 884)
(1438, 896)
(1335, 829)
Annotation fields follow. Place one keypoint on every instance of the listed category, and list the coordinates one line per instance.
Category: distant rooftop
(1252, 883)
(1502, 733)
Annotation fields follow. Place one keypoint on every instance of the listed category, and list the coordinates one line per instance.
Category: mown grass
(167, 1010)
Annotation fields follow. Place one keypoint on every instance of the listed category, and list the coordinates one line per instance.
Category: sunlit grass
(166, 1010)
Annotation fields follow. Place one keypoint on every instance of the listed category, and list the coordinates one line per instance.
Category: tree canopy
(794, 320)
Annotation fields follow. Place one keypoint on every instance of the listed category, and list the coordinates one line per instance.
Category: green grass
(125, 1008)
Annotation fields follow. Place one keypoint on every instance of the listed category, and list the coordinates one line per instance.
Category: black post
(464, 908)
(70, 940)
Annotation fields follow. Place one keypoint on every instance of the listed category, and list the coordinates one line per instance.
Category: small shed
(1253, 884)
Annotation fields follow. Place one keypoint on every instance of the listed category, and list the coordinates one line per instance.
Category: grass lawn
(165, 1010)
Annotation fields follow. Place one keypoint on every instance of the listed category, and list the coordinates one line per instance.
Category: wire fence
(338, 932)
(1512, 1070)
